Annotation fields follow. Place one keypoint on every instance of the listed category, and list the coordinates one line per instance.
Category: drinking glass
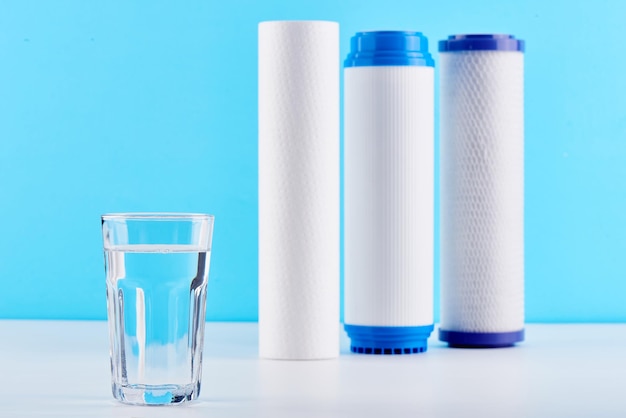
(157, 267)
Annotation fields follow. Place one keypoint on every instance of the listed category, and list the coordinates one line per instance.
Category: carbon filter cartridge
(482, 190)
(389, 176)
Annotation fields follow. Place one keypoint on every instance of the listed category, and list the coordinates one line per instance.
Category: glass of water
(157, 267)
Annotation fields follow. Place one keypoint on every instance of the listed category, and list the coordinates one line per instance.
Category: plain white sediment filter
(482, 190)
(298, 190)
(389, 192)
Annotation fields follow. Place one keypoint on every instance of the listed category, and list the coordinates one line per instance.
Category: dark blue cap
(481, 43)
(388, 48)
(481, 339)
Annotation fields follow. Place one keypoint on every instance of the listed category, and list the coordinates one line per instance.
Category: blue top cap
(390, 48)
(456, 43)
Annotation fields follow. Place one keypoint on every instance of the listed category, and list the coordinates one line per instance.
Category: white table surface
(61, 369)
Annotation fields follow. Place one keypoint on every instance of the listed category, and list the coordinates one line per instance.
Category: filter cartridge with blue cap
(389, 192)
(482, 190)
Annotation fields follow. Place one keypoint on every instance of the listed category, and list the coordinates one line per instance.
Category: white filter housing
(299, 190)
(389, 178)
(389, 200)
(482, 190)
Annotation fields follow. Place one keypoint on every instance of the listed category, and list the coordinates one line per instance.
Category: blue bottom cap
(481, 339)
(388, 340)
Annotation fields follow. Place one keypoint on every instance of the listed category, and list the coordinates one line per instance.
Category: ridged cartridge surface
(389, 195)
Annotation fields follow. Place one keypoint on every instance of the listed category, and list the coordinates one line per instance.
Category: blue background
(149, 105)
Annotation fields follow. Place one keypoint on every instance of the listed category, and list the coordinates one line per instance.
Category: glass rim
(157, 216)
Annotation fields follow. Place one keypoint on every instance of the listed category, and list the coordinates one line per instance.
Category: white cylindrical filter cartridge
(299, 190)
(482, 190)
(389, 192)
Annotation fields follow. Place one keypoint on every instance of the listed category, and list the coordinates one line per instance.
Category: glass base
(155, 394)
